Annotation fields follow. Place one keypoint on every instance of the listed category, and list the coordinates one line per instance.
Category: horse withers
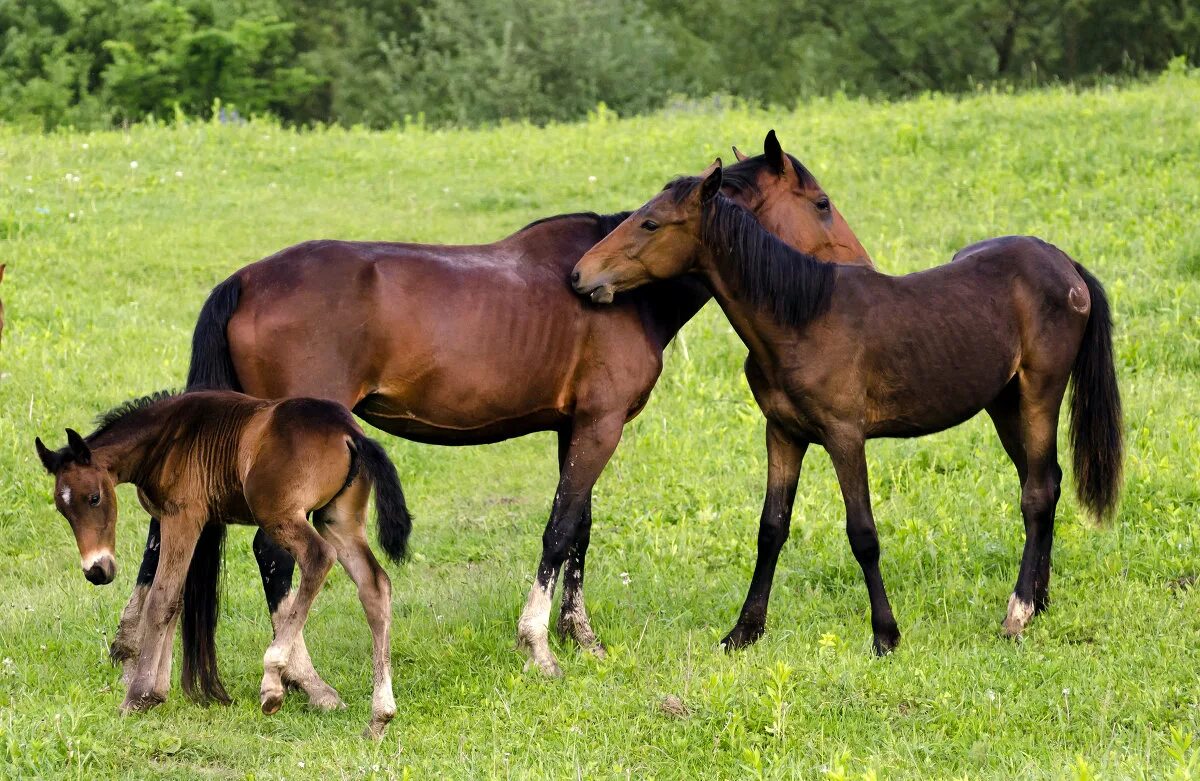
(840, 355)
(204, 459)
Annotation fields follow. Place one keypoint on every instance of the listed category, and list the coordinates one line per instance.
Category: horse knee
(1040, 497)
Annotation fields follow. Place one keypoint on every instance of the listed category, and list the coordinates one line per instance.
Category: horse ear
(79, 449)
(49, 458)
(712, 181)
(774, 153)
(737, 153)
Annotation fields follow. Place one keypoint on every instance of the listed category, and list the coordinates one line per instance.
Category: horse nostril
(574, 277)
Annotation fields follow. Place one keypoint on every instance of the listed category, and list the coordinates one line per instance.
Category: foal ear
(737, 153)
(79, 449)
(49, 458)
(712, 181)
(774, 153)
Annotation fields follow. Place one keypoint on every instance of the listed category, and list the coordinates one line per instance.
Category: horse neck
(129, 444)
(668, 305)
(757, 330)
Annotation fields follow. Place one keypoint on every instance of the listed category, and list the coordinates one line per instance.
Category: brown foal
(840, 355)
(459, 345)
(220, 457)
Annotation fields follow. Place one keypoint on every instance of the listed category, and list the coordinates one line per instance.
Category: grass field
(108, 263)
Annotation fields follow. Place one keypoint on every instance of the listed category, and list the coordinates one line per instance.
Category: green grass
(101, 305)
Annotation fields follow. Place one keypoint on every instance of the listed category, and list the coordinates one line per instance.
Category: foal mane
(742, 176)
(118, 413)
(792, 286)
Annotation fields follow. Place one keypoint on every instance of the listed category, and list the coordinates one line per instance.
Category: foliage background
(95, 63)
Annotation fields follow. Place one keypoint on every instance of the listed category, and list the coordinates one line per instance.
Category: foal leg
(1040, 400)
(275, 567)
(315, 557)
(124, 648)
(592, 444)
(343, 524)
(146, 687)
(784, 459)
(850, 463)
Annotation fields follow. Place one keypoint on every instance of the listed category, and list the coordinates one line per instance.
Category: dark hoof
(741, 636)
(886, 642)
(140, 703)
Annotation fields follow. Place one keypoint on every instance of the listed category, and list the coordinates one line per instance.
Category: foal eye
(650, 225)
(94, 500)
(823, 204)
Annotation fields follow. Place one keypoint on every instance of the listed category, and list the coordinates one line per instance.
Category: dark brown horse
(460, 345)
(840, 355)
(217, 457)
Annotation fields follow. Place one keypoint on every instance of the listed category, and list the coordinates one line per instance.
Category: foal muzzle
(101, 570)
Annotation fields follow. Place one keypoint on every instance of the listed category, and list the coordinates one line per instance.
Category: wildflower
(133, 164)
(591, 178)
(85, 146)
(625, 578)
(179, 173)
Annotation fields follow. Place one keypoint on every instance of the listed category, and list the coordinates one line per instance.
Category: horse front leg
(592, 443)
(573, 619)
(785, 456)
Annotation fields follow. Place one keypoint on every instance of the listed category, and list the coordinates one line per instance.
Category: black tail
(1097, 432)
(201, 602)
(212, 366)
(393, 523)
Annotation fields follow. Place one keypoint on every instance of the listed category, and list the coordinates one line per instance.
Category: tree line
(96, 63)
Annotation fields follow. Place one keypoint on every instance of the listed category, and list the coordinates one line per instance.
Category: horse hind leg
(275, 566)
(343, 524)
(1037, 422)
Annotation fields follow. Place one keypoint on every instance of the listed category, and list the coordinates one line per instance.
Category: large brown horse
(840, 355)
(460, 345)
(216, 457)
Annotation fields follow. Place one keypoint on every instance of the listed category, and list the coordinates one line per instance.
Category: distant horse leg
(592, 444)
(146, 687)
(784, 459)
(850, 463)
(573, 619)
(1040, 400)
(315, 557)
(124, 648)
(343, 524)
(275, 566)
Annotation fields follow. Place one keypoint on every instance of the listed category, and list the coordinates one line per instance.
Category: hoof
(378, 725)
(741, 636)
(885, 644)
(583, 635)
(1019, 613)
(327, 700)
(141, 702)
(272, 702)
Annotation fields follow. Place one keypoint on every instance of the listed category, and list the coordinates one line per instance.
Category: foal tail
(1097, 433)
(212, 365)
(393, 523)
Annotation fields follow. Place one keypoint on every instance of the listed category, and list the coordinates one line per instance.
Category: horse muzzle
(100, 570)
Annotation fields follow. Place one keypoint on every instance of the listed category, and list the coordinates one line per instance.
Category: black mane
(605, 223)
(121, 411)
(792, 286)
(743, 175)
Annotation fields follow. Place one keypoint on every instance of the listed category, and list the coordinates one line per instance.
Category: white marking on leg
(533, 628)
(1019, 613)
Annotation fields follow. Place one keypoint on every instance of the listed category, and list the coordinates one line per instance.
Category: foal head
(787, 199)
(84, 492)
(658, 241)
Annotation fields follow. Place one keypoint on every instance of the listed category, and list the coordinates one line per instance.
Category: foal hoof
(741, 636)
(272, 702)
(141, 702)
(379, 722)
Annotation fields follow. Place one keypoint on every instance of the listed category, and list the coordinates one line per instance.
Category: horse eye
(650, 225)
(94, 500)
(823, 204)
